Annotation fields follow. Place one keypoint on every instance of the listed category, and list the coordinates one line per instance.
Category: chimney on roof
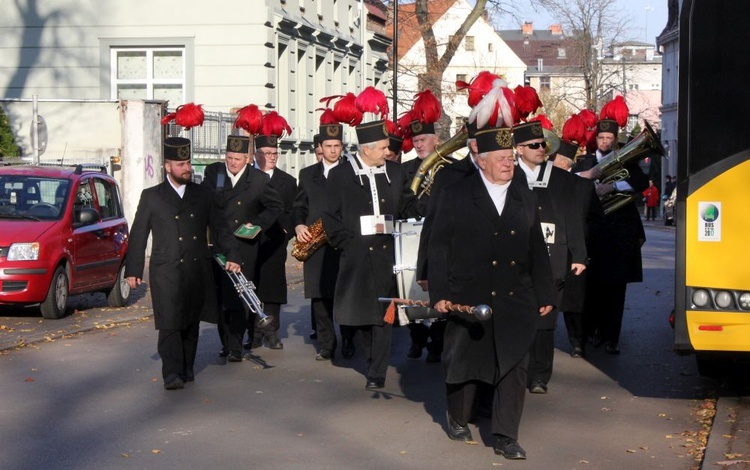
(555, 29)
(527, 28)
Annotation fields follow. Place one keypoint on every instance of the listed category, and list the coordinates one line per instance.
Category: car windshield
(32, 197)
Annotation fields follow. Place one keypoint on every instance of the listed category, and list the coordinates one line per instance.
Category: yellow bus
(712, 209)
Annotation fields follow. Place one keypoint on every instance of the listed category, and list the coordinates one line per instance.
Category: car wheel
(55, 304)
(120, 293)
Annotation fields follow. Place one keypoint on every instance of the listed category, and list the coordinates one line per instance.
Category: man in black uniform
(321, 269)
(246, 197)
(273, 243)
(615, 258)
(562, 228)
(487, 248)
(425, 140)
(177, 213)
(363, 197)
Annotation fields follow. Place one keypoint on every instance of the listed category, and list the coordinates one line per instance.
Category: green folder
(247, 232)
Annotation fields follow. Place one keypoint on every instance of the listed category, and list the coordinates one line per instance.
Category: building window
(469, 43)
(490, 47)
(148, 73)
(561, 54)
(544, 83)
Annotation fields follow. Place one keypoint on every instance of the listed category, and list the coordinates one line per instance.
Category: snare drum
(406, 242)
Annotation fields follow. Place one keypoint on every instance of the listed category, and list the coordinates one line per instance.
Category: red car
(62, 232)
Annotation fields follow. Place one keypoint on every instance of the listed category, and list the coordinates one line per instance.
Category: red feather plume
(407, 146)
(426, 107)
(574, 130)
(328, 117)
(616, 109)
(404, 121)
(345, 110)
(546, 123)
(393, 128)
(478, 87)
(589, 118)
(527, 100)
(372, 100)
(275, 124)
(249, 118)
(187, 115)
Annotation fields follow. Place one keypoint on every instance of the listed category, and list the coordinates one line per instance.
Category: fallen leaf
(631, 451)
(403, 452)
(155, 451)
(124, 454)
(732, 456)
(28, 379)
(583, 461)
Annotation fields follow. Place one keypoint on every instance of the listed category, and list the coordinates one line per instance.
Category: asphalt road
(85, 392)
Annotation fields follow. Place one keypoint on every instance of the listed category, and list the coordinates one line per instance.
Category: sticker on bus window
(709, 221)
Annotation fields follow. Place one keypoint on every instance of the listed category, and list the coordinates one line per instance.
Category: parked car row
(62, 231)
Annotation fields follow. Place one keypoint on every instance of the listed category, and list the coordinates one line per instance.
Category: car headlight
(700, 298)
(23, 252)
(723, 299)
(745, 300)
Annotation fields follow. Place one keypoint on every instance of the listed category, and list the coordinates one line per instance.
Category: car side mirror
(87, 216)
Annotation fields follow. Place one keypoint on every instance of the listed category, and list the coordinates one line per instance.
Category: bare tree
(592, 27)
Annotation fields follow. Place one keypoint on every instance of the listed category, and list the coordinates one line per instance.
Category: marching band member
(487, 247)
(363, 197)
(177, 214)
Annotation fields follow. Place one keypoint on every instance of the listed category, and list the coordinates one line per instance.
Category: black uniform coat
(477, 257)
(447, 175)
(180, 270)
(322, 268)
(591, 214)
(366, 264)
(251, 200)
(557, 205)
(616, 245)
(271, 267)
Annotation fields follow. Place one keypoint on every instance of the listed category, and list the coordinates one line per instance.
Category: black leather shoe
(576, 352)
(374, 383)
(224, 352)
(255, 343)
(234, 356)
(537, 386)
(509, 448)
(324, 355)
(188, 377)
(173, 382)
(347, 347)
(274, 342)
(313, 334)
(415, 351)
(613, 347)
(458, 432)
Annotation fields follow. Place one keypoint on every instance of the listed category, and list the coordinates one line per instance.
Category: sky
(647, 18)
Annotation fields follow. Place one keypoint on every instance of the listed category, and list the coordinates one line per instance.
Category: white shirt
(180, 189)
(531, 175)
(235, 178)
(498, 192)
(327, 167)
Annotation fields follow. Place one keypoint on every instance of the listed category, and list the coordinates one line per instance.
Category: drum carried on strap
(406, 243)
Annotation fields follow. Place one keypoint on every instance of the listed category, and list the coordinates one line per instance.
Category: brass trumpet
(246, 290)
(613, 169)
(422, 182)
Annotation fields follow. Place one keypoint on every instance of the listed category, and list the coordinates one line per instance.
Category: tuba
(612, 167)
(422, 182)
(303, 251)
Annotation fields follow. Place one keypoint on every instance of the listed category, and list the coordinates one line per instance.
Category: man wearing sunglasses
(562, 227)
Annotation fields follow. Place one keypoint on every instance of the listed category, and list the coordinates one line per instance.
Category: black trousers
(376, 343)
(177, 349)
(541, 357)
(273, 311)
(322, 311)
(421, 333)
(574, 325)
(232, 325)
(507, 402)
(604, 307)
